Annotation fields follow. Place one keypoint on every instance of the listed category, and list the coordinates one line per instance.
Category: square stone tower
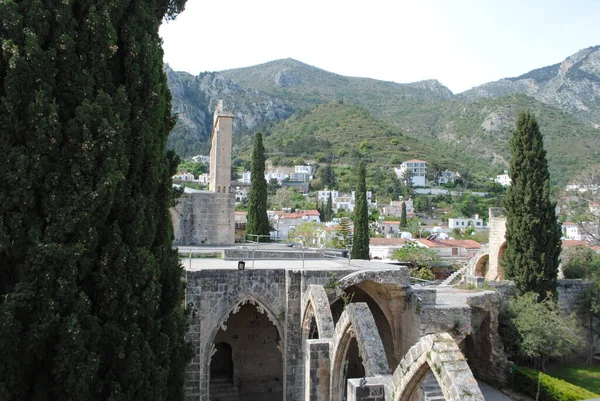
(220, 151)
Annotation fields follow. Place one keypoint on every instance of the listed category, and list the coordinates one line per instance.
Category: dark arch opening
(257, 363)
(483, 265)
(353, 364)
(313, 330)
(221, 364)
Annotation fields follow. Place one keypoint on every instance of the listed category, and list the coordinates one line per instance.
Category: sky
(461, 43)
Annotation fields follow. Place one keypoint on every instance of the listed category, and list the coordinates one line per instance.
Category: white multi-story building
(416, 168)
(276, 175)
(245, 177)
(323, 196)
(183, 176)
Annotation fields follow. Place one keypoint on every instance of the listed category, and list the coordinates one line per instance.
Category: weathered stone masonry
(277, 329)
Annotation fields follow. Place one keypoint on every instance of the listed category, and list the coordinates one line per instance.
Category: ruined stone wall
(497, 224)
(204, 218)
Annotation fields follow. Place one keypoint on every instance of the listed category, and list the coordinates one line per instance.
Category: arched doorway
(353, 365)
(221, 364)
(256, 367)
(483, 265)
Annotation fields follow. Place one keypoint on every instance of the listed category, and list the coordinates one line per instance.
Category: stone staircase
(221, 389)
(454, 277)
(431, 388)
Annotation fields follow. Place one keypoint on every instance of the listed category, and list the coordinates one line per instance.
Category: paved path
(492, 394)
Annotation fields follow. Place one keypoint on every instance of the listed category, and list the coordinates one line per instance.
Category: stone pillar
(370, 390)
(293, 384)
(497, 224)
(192, 379)
(318, 368)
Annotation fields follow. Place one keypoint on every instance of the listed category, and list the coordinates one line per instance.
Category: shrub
(550, 388)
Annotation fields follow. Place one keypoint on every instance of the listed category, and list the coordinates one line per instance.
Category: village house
(503, 179)
(416, 169)
(183, 176)
(447, 177)
(395, 208)
(285, 222)
(463, 222)
(452, 250)
(570, 231)
(383, 248)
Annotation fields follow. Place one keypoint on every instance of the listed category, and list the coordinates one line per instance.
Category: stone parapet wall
(263, 254)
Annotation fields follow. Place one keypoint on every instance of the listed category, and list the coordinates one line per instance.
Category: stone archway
(438, 354)
(482, 265)
(501, 252)
(317, 314)
(356, 324)
(257, 363)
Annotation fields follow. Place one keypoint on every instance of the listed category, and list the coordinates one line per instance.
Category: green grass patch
(550, 388)
(587, 377)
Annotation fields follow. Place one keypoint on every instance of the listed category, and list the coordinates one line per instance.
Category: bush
(550, 388)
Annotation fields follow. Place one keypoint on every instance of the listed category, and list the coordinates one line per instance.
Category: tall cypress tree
(532, 231)
(329, 208)
(90, 288)
(403, 221)
(360, 245)
(257, 220)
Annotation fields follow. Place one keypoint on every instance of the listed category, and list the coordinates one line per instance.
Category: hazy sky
(462, 43)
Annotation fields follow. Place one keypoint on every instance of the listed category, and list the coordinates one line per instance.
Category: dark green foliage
(548, 388)
(258, 222)
(532, 232)
(327, 176)
(90, 288)
(360, 245)
(403, 221)
(580, 262)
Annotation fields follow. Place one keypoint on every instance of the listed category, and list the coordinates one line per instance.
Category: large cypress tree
(360, 244)
(90, 287)
(403, 221)
(257, 220)
(532, 231)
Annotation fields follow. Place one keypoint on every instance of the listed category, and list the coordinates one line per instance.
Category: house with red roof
(285, 222)
(452, 250)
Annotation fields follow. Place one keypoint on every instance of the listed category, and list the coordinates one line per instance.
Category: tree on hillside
(329, 208)
(257, 220)
(583, 203)
(403, 221)
(306, 233)
(532, 232)
(360, 245)
(419, 258)
(90, 288)
(327, 176)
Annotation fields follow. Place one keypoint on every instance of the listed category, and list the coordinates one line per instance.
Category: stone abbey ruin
(330, 331)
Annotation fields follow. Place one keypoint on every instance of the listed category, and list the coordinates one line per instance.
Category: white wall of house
(464, 222)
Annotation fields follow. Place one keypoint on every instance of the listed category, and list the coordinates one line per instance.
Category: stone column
(293, 384)
(192, 379)
(318, 367)
(368, 390)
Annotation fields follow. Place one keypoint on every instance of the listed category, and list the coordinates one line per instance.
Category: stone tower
(220, 151)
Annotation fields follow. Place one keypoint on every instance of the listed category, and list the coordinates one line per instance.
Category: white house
(383, 248)
(204, 179)
(570, 231)
(201, 159)
(276, 175)
(245, 177)
(303, 170)
(503, 179)
(446, 177)
(464, 222)
(416, 168)
(183, 176)
(389, 228)
(343, 202)
(241, 193)
(453, 250)
(287, 221)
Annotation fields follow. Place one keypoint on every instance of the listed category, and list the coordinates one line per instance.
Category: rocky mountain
(288, 101)
(572, 86)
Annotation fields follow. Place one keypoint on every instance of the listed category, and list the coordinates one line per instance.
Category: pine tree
(257, 220)
(360, 245)
(403, 221)
(90, 287)
(532, 232)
